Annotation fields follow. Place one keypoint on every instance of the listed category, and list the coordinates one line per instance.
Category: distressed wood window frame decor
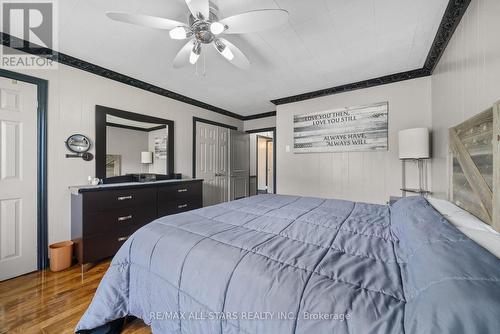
(475, 165)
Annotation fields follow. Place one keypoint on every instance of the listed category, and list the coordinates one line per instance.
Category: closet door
(212, 162)
(240, 165)
(222, 174)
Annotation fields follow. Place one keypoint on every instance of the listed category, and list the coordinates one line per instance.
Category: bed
(284, 264)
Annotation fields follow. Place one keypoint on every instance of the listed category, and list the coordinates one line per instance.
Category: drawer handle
(123, 238)
(124, 198)
(124, 218)
(182, 190)
(182, 206)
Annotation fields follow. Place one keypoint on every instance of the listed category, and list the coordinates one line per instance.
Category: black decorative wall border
(452, 16)
(354, 86)
(256, 116)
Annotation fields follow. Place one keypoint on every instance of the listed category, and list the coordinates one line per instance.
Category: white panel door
(240, 165)
(270, 167)
(206, 160)
(212, 162)
(222, 174)
(18, 178)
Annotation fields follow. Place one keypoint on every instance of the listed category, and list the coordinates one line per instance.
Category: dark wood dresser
(103, 217)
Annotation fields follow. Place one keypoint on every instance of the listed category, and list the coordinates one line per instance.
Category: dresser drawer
(104, 245)
(182, 190)
(179, 205)
(115, 199)
(103, 222)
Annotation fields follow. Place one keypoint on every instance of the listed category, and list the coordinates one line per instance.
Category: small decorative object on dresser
(103, 217)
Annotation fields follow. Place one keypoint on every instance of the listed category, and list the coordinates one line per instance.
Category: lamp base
(422, 178)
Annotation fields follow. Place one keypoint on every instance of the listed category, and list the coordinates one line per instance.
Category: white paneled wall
(466, 80)
(361, 176)
(260, 123)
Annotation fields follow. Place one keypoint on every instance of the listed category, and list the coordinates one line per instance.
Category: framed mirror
(128, 145)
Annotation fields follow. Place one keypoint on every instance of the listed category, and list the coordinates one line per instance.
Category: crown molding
(388, 79)
(257, 116)
(452, 17)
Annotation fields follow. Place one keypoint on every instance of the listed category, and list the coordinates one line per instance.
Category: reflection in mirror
(113, 165)
(134, 147)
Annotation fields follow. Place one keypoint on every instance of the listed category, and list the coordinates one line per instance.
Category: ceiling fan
(204, 27)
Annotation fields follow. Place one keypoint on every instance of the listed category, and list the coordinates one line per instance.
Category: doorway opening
(262, 161)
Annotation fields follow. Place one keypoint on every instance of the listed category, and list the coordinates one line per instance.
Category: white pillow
(469, 225)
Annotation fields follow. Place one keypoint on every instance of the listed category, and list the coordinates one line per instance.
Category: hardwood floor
(47, 302)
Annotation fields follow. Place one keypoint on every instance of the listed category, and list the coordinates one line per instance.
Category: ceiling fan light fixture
(217, 28)
(193, 58)
(203, 27)
(227, 53)
(224, 50)
(195, 53)
(179, 33)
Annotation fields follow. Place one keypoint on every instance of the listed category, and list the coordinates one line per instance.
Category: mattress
(471, 226)
(285, 264)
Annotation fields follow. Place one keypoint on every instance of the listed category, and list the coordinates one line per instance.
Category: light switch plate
(287, 148)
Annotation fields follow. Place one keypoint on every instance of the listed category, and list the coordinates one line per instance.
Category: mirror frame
(100, 136)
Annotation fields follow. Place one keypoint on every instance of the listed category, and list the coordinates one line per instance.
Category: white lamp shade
(414, 143)
(147, 157)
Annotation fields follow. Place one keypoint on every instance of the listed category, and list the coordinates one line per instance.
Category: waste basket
(60, 255)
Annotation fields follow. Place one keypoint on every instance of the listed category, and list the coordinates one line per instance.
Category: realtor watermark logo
(29, 34)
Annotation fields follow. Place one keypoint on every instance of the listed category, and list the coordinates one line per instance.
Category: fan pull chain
(204, 65)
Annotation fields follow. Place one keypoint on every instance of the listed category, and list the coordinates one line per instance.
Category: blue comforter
(283, 264)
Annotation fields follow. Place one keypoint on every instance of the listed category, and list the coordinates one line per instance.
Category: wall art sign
(361, 128)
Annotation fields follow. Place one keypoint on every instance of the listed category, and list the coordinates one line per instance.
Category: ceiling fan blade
(145, 20)
(239, 58)
(182, 57)
(199, 6)
(254, 20)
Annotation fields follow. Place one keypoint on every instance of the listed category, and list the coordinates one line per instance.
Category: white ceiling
(326, 43)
